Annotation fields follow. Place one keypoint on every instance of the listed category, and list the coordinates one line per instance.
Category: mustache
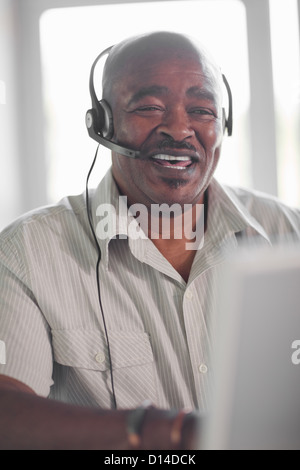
(174, 144)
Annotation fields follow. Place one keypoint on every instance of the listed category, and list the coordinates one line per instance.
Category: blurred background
(47, 48)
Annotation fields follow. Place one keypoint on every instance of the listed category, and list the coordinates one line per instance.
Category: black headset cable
(98, 278)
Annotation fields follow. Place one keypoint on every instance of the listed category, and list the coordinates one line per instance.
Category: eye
(203, 113)
(149, 108)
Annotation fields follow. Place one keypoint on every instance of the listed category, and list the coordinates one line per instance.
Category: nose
(176, 124)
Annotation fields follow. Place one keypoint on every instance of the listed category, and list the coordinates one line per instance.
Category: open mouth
(181, 162)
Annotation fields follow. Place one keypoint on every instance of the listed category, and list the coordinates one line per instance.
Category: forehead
(165, 77)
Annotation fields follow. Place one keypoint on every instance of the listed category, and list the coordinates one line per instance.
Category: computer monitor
(256, 400)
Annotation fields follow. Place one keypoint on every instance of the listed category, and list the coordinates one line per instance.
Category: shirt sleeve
(24, 333)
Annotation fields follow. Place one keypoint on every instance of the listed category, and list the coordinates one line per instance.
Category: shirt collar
(110, 218)
(226, 215)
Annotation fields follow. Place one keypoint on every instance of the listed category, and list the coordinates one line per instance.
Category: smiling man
(167, 103)
(87, 339)
(166, 98)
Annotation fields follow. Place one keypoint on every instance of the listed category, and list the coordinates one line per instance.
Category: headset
(99, 123)
(99, 119)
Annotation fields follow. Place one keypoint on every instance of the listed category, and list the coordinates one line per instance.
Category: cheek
(211, 137)
(128, 131)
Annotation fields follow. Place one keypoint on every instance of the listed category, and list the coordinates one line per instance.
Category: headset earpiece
(100, 118)
(105, 124)
(224, 121)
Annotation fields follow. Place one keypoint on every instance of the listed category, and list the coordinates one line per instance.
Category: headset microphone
(90, 124)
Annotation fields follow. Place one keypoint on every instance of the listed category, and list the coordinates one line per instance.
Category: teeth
(176, 167)
(171, 158)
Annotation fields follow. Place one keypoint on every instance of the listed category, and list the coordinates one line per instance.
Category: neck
(177, 234)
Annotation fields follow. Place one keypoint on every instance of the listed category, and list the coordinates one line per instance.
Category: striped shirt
(158, 325)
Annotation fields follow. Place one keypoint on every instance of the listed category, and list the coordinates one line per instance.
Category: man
(99, 343)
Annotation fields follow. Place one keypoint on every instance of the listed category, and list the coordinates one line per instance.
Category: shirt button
(203, 368)
(100, 357)
(189, 295)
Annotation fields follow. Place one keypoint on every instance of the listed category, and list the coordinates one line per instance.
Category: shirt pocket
(132, 361)
(133, 368)
(84, 349)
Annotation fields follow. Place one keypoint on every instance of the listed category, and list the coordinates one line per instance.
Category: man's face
(171, 112)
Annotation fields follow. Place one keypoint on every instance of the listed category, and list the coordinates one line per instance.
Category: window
(71, 38)
(286, 78)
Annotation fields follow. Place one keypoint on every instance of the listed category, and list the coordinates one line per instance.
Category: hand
(167, 430)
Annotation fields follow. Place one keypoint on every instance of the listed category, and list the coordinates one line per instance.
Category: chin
(178, 197)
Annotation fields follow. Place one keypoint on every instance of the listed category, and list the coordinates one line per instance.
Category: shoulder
(273, 215)
(45, 227)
